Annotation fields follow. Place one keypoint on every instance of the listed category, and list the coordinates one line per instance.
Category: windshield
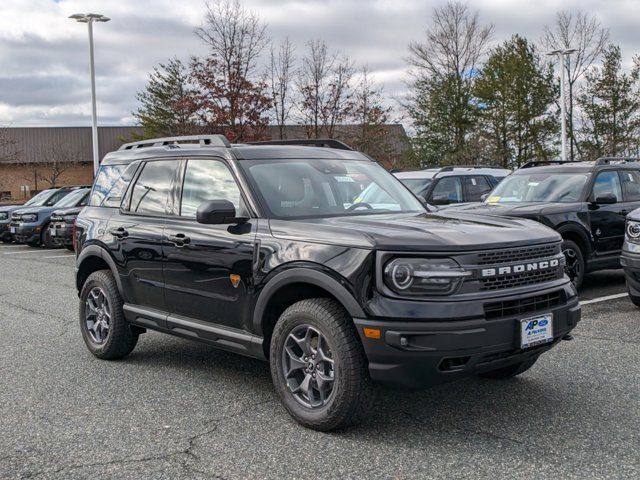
(418, 186)
(540, 187)
(72, 199)
(40, 199)
(325, 188)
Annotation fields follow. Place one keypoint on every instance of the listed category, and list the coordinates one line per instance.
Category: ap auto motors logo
(521, 268)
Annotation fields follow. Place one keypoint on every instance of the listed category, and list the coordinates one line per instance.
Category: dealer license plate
(13, 229)
(536, 330)
(53, 232)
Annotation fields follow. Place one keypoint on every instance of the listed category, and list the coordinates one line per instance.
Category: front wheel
(510, 371)
(635, 299)
(318, 366)
(574, 266)
(104, 328)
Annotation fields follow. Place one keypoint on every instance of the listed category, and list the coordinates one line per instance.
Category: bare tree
(236, 38)
(586, 34)
(281, 70)
(324, 83)
(444, 66)
(8, 154)
(55, 160)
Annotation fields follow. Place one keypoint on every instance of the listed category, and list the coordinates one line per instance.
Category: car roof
(428, 173)
(578, 167)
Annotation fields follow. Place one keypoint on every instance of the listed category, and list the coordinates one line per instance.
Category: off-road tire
(573, 247)
(121, 339)
(352, 389)
(511, 371)
(46, 238)
(635, 299)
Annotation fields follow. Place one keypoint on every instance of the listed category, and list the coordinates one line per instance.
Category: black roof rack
(610, 160)
(450, 168)
(540, 163)
(201, 140)
(327, 143)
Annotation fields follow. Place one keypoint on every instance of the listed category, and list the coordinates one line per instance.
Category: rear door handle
(119, 232)
(179, 239)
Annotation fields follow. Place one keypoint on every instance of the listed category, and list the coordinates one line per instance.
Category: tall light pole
(89, 19)
(563, 121)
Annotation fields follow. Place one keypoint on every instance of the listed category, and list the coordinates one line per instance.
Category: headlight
(4, 215)
(424, 276)
(633, 230)
(29, 217)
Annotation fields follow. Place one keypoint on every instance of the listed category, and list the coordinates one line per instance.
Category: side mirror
(440, 200)
(606, 199)
(484, 197)
(217, 212)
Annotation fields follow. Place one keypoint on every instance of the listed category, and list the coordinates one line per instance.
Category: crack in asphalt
(212, 426)
(63, 321)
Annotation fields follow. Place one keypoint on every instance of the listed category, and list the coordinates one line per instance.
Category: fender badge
(235, 280)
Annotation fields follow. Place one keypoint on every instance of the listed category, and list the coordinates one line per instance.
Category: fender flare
(97, 251)
(578, 230)
(303, 275)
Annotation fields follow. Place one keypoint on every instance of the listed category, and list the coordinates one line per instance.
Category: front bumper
(630, 262)
(26, 233)
(416, 354)
(61, 234)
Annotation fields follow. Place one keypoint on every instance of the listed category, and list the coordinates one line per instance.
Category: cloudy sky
(44, 56)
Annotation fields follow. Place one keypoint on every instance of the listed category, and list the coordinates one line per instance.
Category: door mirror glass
(216, 212)
(441, 200)
(606, 199)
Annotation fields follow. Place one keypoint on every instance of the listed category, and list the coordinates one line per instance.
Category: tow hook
(568, 337)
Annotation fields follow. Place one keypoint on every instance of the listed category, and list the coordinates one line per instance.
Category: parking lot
(177, 409)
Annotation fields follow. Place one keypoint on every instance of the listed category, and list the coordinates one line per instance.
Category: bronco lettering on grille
(525, 267)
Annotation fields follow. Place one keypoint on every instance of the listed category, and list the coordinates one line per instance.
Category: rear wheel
(574, 266)
(46, 238)
(318, 365)
(104, 328)
(510, 371)
(635, 299)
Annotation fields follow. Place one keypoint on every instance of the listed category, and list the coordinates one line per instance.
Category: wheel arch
(91, 259)
(579, 236)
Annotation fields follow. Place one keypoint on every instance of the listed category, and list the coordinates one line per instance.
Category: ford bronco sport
(264, 250)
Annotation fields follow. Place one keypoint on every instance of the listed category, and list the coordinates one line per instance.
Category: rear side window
(151, 191)
(111, 184)
(476, 187)
(631, 183)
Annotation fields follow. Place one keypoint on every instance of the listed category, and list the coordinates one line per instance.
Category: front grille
(512, 308)
(518, 254)
(520, 279)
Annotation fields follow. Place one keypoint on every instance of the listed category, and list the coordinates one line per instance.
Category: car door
(607, 221)
(135, 233)
(208, 268)
(630, 190)
(475, 186)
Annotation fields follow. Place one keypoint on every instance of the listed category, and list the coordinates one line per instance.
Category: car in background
(30, 225)
(586, 202)
(62, 220)
(630, 257)
(45, 197)
(452, 184)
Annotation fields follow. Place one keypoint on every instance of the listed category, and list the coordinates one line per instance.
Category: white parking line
(604, 299)
(12, 246)
(61, 256)
(31, 251)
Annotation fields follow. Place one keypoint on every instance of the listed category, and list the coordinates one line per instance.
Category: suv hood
(67, 211)
(526, 209)
(44, 210)
(453, 231)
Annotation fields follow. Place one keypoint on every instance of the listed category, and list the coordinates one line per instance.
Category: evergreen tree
(164, 110)
(609, 101)
(515, 93)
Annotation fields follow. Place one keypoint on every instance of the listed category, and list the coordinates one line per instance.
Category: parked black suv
(263, 250)
(586, 202)
(630, 258)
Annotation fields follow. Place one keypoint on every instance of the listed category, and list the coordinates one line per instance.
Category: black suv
(263, 250)
(630, 258)
(586, 202)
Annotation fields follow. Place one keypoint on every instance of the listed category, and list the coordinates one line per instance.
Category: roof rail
(610, 160)
(450, 168)
(202, 140)
(327, 143)
(539, 163)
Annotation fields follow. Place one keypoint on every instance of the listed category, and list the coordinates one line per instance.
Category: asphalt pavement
(177, 409)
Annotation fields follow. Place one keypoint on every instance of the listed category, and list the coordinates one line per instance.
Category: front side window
(607, 183)
(208, 180)
(558, 187)
(59, 195)
(151, 190)
(448, 188)
(306, 188)
(631, 183)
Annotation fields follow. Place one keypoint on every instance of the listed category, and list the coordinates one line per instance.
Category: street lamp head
(554, 52)
(570, 50)
(89, 17)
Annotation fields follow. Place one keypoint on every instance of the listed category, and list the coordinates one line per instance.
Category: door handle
(179, 239)
(119, 232)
